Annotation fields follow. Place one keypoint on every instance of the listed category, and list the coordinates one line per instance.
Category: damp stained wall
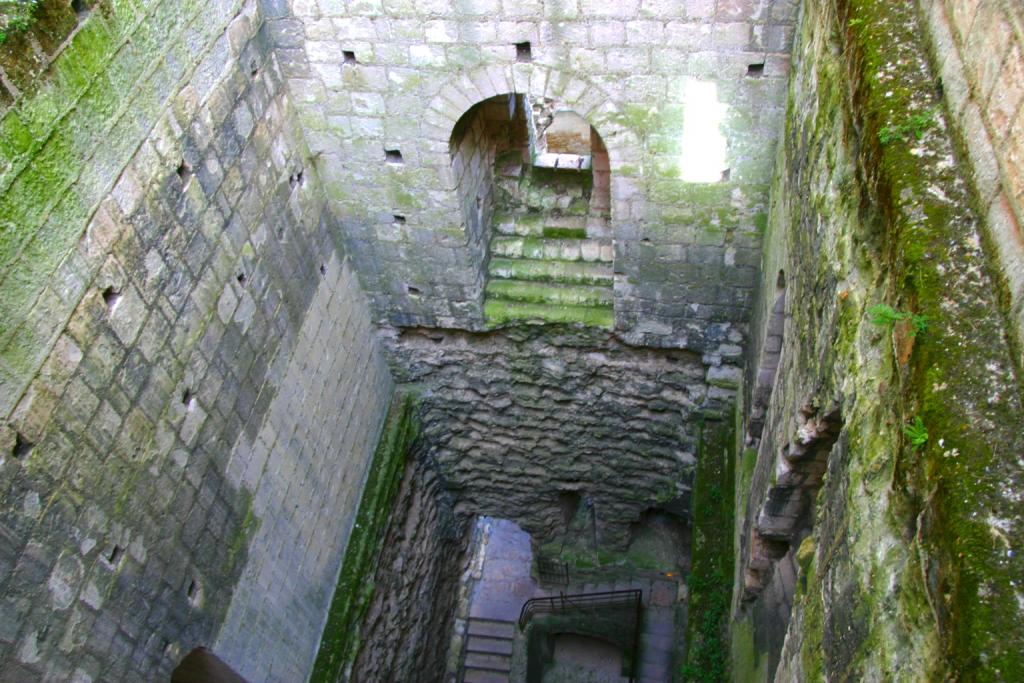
(880, 503)
(191, 393)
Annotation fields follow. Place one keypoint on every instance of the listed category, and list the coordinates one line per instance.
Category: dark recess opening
(349, 57)
(755, 70)
(323, 269)
(523, 52)
(241, 279)
(193, 589)
(413, 291)
(254, 67)
(398, 219)
(568, 503)
(80, 7)
(296, 179)
(189, 399)
(114, 556)
(393, 156)
(111, 297)
(22, 446)
(184, 172)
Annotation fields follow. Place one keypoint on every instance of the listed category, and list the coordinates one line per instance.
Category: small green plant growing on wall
(885, 315)
(15, 17)
(914, 126)
(916, 433)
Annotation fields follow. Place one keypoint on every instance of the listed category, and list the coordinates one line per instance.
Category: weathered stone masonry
(231, 229)
(686, 258)
(894, 554)
(158, 474)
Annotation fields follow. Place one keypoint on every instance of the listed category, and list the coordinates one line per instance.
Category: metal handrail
(589, 603)
(579, 602)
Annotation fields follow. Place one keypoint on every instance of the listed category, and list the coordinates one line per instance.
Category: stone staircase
(488, 651)
(546, 268)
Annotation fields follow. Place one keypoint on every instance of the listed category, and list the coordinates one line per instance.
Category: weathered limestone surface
(978, 48)
(190, 390)
(911, 570)
(686, 254)
(306, 470)
(513, 418)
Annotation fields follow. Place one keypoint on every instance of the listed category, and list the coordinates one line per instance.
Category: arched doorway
(533, 184)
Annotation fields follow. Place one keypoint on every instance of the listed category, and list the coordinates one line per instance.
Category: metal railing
(552, 572)
(606, 605)
(580, 602)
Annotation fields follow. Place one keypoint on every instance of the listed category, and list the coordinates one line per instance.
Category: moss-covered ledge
(340, 643)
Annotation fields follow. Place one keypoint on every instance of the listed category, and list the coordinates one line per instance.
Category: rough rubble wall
(686, 253)
(514, 418)
(912, 569)
(405, 632)
(188, 241)
(978, 48)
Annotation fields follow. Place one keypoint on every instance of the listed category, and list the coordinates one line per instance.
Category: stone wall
(369, 77)
(305, 469)
(408, 622)
(173, 292)
(515, 418)
(889, 434)
(978, 48)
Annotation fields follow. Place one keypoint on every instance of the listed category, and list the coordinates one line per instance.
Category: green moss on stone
(340, 642)
(543, 293)
(498, 312)
(710, 579)
(565, 233)
(748, 664)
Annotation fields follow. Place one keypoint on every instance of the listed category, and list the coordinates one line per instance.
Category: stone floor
(505, 584)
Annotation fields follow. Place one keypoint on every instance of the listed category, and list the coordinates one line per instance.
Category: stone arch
(536, 80)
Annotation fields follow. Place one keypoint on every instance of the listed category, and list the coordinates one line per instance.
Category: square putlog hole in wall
(523, 52)
(393, 157)
(349, 57)
(755, 70)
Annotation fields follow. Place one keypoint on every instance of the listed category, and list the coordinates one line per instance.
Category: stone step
(484, 676)
(549, 293)
(479, 660)
(564, 233)
(499, 311)
(492, 628)
(494, 646)
(559, 249)
(541, 225)
(568, 272)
